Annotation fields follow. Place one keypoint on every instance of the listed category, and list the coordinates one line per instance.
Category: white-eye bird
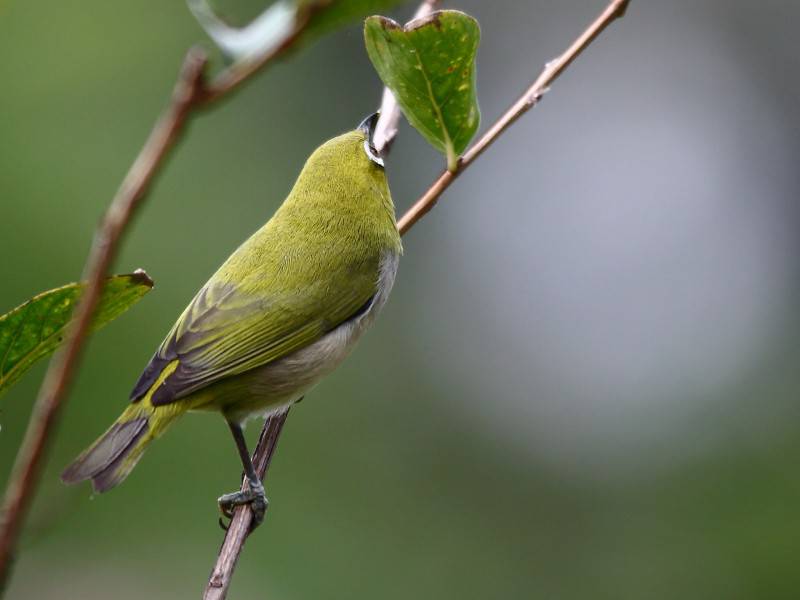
(283, 311)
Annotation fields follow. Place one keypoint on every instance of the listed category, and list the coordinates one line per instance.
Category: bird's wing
(228, 329)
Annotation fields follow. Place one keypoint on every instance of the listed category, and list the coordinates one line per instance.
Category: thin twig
(239, 528)
(217, 587)
(615, 10)
(191, 93)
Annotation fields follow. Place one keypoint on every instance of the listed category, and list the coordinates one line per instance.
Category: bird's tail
(112, 457)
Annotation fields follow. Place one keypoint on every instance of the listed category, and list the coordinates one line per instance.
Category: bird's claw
(254, 496)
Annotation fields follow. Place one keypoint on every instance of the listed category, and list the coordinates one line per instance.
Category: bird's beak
(367, 126)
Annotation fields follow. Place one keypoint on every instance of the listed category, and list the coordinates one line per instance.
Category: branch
(552, 70)
(217, 587)
(191, 93)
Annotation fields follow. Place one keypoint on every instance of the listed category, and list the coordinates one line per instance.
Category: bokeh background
(585, 384)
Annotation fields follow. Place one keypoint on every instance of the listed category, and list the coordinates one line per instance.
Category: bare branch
(239, 528)
(386, 128)
(552, 70)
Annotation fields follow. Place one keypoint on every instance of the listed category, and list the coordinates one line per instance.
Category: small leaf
(430, 66)
(35, 329)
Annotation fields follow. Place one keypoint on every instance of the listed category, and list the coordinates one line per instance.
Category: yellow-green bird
(283, 311)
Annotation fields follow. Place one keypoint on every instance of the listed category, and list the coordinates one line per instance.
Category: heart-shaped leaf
(35, 329)
(430, 66)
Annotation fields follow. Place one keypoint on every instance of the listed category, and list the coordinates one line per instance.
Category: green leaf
(35, 329)
(430, 66)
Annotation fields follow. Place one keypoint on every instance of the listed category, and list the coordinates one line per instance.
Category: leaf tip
(141, 277)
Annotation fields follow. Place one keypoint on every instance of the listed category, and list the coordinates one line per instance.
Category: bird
(284, 310)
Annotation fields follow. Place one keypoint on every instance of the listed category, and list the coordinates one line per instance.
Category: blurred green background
(585, 384)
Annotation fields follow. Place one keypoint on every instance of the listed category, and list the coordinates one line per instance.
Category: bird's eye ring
(372, 153)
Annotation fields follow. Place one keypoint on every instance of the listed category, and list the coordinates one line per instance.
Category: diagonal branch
(217, 587)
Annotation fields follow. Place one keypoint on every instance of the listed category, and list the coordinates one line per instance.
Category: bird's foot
(254, 496)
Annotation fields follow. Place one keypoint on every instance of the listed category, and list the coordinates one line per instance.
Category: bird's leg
(254, 495)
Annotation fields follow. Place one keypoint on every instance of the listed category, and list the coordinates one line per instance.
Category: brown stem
(552, 70)
(239, 528)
